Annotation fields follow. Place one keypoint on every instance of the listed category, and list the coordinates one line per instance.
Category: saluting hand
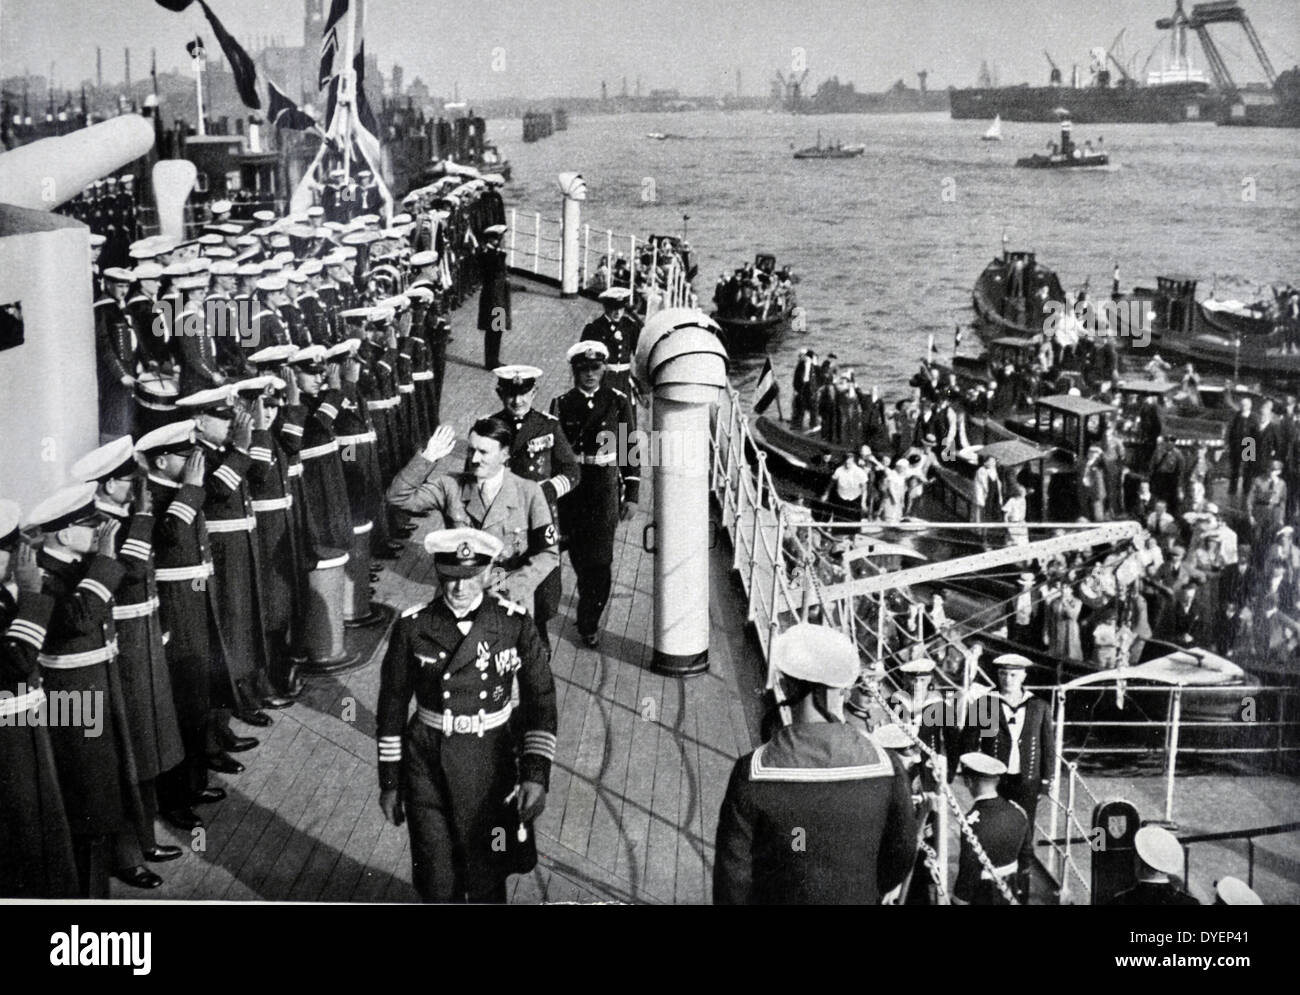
(241, 434)
(292, 395)
(27, 575)
(440, 444)
(391, 803)
(262, 415)
(333, 376)
(195, 468)
(106, 538)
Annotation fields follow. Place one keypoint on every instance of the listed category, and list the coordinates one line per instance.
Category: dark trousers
(594, 582)
(491, 348)
(1014, 787)
(438, 362)
(93, 855)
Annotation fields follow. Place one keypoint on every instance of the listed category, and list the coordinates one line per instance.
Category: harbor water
(887, 246)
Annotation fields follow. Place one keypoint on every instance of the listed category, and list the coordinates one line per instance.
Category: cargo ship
(1174, 93)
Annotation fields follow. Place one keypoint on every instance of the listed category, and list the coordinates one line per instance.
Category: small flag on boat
(766, 390)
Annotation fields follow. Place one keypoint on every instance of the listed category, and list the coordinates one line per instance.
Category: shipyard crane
(1227, 12)
(1055, 78)
(1125, 78)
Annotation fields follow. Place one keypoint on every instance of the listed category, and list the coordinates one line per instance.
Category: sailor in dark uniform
(36, 859)
(97, 772)
(1157, 859)
(600, 425)
(540, 452)
(433, 328)
(494, 297)
(118, 363)
(187, 611)
(617, 331)
(470, 787)
(149, 703)
(819, 814)
(225, 436)
(1023, 738)
(998, 824)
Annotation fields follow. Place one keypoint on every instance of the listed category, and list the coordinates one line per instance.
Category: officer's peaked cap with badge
(273, 355)
(310, 359)
(615, 295)
(516, 379)
(177, 437)
(1159, 849)
(258, 384)
(213, 401)
(816, 654)
(111, 461)
(461, 552)
(587, 353)
(70, 505)
(982, 764)
(348, 347)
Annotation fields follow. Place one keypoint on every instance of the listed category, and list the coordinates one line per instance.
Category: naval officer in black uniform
(998, 824)
(1158, 860)
(471, 781)
(600, 424)
(541, 453)
(617, 330)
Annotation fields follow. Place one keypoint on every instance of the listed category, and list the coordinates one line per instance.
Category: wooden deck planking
(637, 752)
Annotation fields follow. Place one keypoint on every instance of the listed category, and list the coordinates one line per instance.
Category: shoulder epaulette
(511, 607)
(415, 609)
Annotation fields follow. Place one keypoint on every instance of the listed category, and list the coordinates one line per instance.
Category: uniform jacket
(999, 825)
(1037, 741)
(430, 660)
(619, 337)
(541, 452)
(494, 301)
(831, 787)
(306, 432)
(519, 517)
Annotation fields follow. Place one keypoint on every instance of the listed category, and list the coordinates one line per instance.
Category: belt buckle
(463, 724)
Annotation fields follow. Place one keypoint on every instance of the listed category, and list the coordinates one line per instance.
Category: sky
(541, 48)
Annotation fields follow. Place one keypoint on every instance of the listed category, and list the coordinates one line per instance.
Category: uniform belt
(312, 453)
(449, 724)
(71, 661)
(195, 572)
(273, 504)
(618, 367)
(422, 375)
(18, 704)
(387, 402)
(600, 459)
(141, 609)
(295, 469)
(406, 388)
(231, 525)
(1001, 872)
(365, 438)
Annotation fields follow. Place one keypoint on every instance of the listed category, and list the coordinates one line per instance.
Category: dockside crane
(1220, 12)
(1054, 79)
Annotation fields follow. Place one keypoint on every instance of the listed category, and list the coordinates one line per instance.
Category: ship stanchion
(323, 619)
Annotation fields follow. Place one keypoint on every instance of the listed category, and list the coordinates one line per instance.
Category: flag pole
(346, 95)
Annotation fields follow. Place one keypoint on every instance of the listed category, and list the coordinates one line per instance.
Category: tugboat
(1012, 295)
(1068, 155)
(836, 151)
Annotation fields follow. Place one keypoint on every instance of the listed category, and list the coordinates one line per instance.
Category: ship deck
(642, 761)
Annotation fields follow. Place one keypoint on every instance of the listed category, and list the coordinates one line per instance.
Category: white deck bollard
(681, 357)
